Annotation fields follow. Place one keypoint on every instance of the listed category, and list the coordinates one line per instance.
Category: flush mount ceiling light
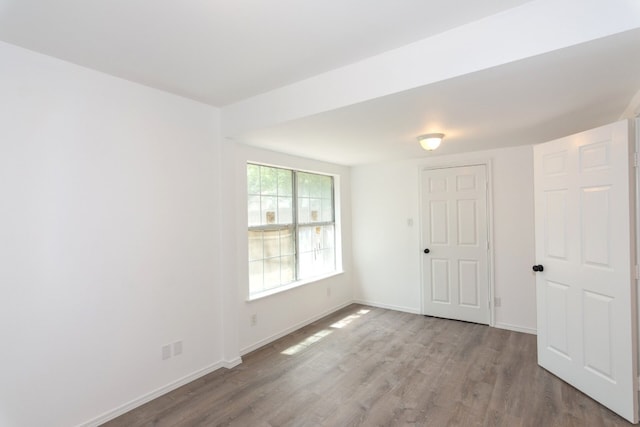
(430, 141)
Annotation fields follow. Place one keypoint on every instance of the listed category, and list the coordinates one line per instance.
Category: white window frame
(295, 227)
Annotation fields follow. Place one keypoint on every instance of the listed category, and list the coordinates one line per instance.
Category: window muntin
(316, 250)
(270, 192)
(291, 221)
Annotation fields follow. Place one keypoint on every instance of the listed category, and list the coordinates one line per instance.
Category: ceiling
(222, 51)
(524, 102)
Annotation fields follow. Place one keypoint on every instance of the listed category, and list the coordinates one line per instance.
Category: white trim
(635, 182)
(230, 364)
(516, 328)
(498, 325)
(488, 164)
(122, 409)
(287, 162)
(293, 328)
(388, 306)
(490, 240)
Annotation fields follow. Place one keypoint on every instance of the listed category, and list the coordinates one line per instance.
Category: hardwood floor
(365, 366)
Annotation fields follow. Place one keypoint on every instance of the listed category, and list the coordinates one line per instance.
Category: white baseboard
(109, 415)
(498, 325)
(230, 364)
(389, 307)
(290, 329)
(516, 328)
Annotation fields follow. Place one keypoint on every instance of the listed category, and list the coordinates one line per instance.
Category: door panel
(598, 330)
(440, 278)
(468, 282)
(439, 226)
(594, 213)
(557, 310)
(585, 294)
(454, 228)
(555, 236)
(467, 223)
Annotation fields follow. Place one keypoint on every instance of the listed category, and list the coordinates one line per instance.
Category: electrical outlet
(254, 319)
(166, 352)
(497, 302)
(177, 348)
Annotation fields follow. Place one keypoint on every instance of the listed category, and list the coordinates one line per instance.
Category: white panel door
(585, 293)
(455, 272)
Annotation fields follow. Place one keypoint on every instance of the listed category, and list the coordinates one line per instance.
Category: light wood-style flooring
(364, 366)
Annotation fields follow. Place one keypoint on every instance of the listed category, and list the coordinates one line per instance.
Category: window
(291, 226)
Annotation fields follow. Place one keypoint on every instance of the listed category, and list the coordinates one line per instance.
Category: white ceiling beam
(532, 29)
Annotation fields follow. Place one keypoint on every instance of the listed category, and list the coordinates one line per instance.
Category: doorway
(455, 243)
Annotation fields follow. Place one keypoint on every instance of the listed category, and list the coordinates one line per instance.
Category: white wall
(287, 311)
(108, 228)
(119, 236)
(387, 252)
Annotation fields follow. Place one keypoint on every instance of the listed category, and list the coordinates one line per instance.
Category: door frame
(634, 156)
(487, 163)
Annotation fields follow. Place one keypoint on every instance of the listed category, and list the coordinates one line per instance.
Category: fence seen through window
(291, 221)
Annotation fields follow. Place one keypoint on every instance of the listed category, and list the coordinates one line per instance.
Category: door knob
(426, 251)
(538, 268)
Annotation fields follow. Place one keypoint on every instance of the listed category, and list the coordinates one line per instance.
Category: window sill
(299, 283)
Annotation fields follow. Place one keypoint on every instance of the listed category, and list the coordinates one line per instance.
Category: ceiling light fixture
(430, 141)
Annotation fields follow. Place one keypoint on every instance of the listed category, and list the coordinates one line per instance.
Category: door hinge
(637, 272)
(635, 160)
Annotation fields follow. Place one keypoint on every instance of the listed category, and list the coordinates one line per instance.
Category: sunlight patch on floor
(350, 318)
(307, 342)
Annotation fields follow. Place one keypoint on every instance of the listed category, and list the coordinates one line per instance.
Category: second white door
(585, 290)
(455, 273)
